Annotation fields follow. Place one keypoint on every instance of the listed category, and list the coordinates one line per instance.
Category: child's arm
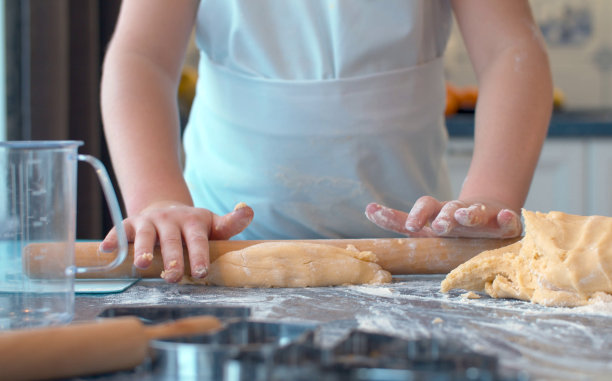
(139, 109)
(511, 121)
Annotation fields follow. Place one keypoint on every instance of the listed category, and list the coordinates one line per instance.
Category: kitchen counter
(563, 124)
(544, 343)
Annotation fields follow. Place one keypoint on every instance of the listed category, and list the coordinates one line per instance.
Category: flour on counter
(546, 342)
(374, 290)
(602, 306)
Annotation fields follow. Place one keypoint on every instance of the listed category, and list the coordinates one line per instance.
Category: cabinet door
(458, 156)
(599, 196)
(558, 183)
(559, 180)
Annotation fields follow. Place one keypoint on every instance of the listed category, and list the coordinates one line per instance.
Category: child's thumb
(227, 226)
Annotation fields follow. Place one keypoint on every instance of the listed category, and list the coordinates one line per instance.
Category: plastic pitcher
(38, 194)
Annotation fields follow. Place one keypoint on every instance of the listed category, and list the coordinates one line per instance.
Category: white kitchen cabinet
(458, 155)
(560, 179)
(559, 182)
(599, 159)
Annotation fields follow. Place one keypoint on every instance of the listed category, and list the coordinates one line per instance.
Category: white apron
(307, 110)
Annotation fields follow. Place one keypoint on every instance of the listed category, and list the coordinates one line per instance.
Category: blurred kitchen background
(574, 173)
(578, 34)
(53, 51)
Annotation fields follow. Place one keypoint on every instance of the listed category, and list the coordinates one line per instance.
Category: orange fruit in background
(558, 98)
(460, 98)
(187, 85)
(467, 97)
(452, 100)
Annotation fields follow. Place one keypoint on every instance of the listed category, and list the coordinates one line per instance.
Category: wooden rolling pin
(88, 348)
(396, 255)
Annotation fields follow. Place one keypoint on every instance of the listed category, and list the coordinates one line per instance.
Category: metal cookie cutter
(372, 356)
(298, 360)
(206, 357)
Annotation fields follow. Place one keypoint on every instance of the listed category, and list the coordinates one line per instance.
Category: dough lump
(295, 264)
(563, 260)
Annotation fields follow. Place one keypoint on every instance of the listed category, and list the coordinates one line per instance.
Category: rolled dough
(283, 264)
(563, 260)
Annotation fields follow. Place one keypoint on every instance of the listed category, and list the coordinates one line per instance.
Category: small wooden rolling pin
(88, 348)
(396, 255)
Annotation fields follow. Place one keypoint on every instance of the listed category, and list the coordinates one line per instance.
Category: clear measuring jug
(38, 193)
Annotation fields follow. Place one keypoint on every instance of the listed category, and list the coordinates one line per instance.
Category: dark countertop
(563, 124)
(545, 343)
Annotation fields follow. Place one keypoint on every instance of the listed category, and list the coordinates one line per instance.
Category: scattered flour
(374, 291)
(544, 341)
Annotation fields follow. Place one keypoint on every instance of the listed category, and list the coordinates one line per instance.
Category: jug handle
(115, 212)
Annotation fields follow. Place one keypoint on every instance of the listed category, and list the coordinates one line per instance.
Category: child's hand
(173, 224)
(459, 218)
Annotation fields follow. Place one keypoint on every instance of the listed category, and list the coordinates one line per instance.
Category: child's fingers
(391, 219)
(474, 215)
(424, 210)
(387, 218)
(171, 244)
(509, 223)
(196, 241)
(144, 243)
(227, 226)
(110, 242)
(445, 220)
